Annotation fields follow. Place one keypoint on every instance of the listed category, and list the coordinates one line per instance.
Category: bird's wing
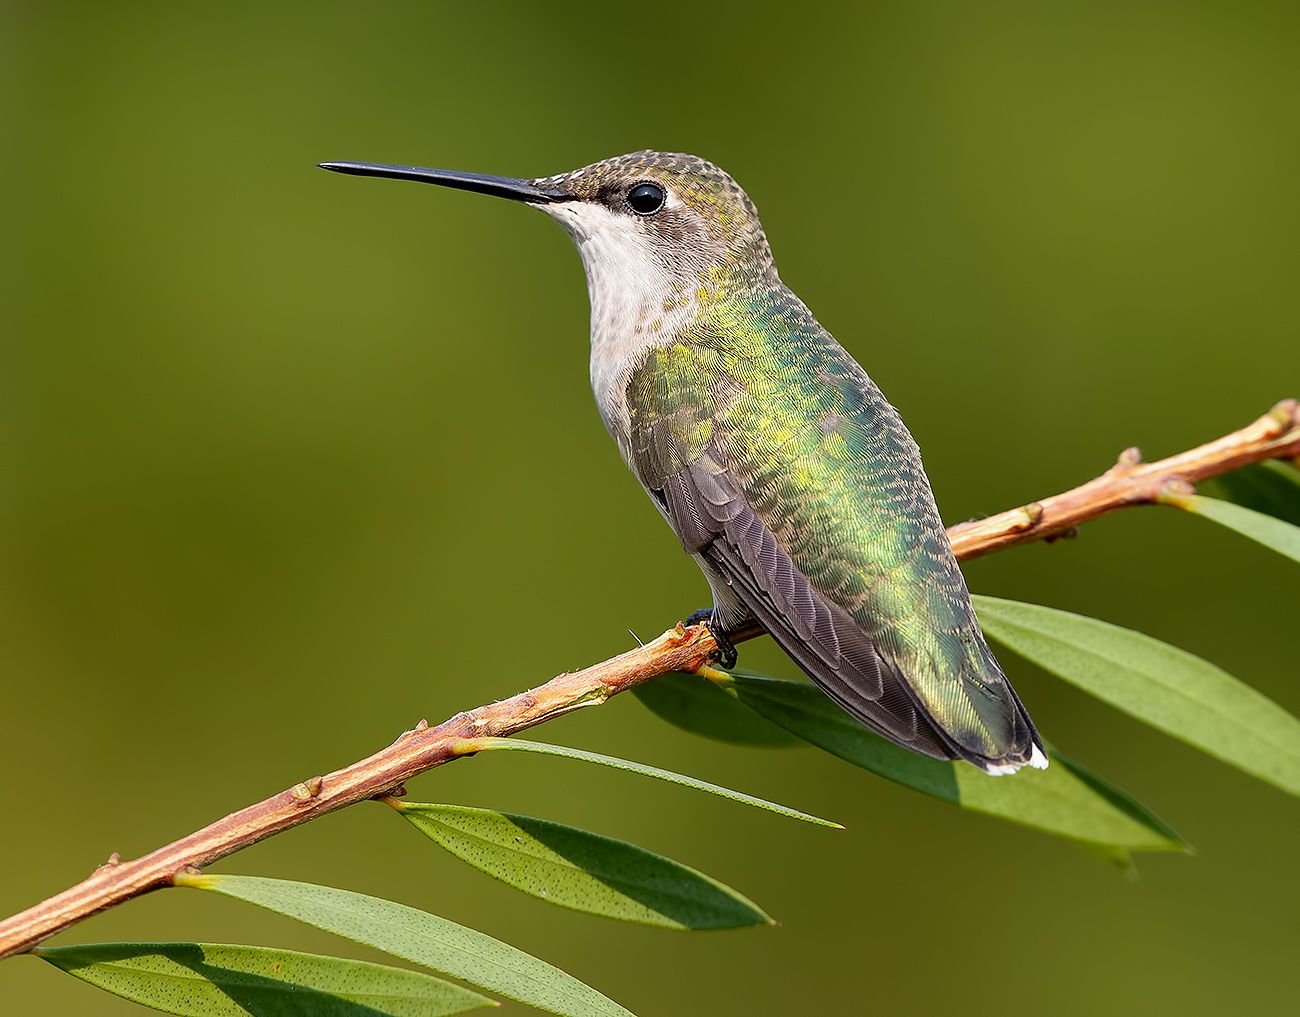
(778, 461)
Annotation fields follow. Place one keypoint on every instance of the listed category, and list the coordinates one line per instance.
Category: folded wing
(792, 484)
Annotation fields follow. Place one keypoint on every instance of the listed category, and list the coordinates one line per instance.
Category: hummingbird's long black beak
(502, 187)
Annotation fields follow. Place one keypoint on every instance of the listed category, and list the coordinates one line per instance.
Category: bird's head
(675, 216)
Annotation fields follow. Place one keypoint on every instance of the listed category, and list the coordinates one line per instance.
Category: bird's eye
(646, 199)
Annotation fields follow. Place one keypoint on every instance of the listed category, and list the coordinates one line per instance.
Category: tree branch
(1276, 435)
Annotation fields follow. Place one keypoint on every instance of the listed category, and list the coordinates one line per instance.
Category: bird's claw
(726, 654)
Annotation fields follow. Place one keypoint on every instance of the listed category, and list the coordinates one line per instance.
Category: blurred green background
(289, 461)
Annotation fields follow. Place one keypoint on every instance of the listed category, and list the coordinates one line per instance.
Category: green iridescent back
(828, 466)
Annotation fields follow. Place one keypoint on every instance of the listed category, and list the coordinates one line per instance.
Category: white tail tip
(1038, 760)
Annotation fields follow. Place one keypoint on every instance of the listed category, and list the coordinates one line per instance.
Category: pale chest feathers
(636, 302)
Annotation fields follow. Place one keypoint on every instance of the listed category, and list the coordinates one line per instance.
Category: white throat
(630, 291)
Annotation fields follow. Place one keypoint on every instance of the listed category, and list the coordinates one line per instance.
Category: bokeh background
(289, 461)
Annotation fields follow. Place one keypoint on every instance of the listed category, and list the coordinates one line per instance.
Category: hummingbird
(786, 474)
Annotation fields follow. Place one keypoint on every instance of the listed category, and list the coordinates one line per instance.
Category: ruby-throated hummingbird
(787, 475)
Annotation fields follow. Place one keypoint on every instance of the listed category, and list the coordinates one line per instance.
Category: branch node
(1174, 487)
(1286, 414)
(1128, 459)
(308, 789)
(711, 673)
(1033, 515)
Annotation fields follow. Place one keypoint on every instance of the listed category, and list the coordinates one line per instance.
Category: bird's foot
(726, 655)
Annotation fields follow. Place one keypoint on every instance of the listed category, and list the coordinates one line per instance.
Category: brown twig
(1130, 482)
(1276, 435)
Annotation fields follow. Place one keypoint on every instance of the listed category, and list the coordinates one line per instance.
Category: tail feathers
(1037, 759)
(841, 658)
(1020, 745)
(1037, 754)
(928, 737)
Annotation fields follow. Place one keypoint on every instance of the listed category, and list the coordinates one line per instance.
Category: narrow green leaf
(214, 980)
(1063, 799)
(519, 745)
(419, 937)
(695, 704)
(581, 870)
(1158, 684)
(1270, 487)
(1264, 529)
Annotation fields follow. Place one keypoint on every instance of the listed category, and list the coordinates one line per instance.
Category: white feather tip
(1038, 760)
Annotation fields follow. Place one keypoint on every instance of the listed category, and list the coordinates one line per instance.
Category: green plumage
(828, 467)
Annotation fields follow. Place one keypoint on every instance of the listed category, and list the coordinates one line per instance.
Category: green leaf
(1159, 684)
(421, 938)
(695, 704)
(1270, 487)
(519, 745)
(1064, 799)
(205, 979)
(581, 870)
(1263, 529)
